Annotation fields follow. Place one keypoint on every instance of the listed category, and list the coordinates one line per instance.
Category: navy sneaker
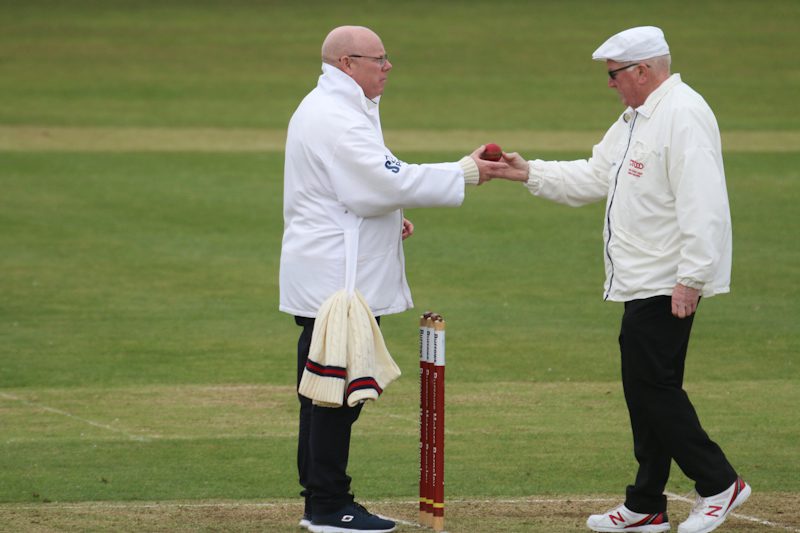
(352, 518)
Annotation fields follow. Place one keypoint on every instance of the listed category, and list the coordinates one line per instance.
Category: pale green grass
(507, 64)
(503, 439)
(143, 359)
(107, 139)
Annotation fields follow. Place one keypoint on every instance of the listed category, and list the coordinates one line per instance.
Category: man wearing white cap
(667, 236)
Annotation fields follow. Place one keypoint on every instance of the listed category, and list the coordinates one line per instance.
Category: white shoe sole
(652, 528)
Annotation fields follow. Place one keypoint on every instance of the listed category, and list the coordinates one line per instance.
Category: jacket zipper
(611, 203)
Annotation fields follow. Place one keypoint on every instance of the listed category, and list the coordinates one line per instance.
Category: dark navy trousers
(323, 447)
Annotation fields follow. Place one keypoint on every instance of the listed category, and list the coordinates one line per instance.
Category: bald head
(346, 40)
(358, 52)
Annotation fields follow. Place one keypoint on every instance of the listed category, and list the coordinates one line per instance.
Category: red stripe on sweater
(326, 371)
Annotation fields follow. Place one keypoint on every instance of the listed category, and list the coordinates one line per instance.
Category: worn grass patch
(532, 514)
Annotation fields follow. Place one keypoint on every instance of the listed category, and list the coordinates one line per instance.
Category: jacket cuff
(534, 183)
(470, 168)
(691, 283)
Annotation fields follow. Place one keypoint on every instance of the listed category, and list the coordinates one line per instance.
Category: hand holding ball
(492, 152)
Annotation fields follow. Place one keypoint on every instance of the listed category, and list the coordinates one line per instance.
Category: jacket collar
(649, 105)
(334, 80)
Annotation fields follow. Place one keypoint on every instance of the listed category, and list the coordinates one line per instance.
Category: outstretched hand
(517, 169)
(487, 169)
(511, 166)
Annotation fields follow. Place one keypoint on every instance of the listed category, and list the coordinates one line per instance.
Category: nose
(388, 65)
(612, 83)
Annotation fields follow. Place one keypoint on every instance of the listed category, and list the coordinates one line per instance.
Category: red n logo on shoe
(617, 518)
(715, 509)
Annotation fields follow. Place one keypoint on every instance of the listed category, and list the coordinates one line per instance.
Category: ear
(642, 74)
(345, 64)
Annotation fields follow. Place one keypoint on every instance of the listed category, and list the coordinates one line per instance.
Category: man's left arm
(697, 177)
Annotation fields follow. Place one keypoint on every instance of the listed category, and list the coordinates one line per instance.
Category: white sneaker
(709, 513)
(305, 522)
(623, 519)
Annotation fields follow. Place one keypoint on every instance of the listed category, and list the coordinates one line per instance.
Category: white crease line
(224, 505)
(409, 419)
(165, 505)
(156, 436)
(538, 500)
(737, 515)
(403, 522)
(70, 415)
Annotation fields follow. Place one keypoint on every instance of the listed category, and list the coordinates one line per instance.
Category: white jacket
(667, 216)
(342, 200)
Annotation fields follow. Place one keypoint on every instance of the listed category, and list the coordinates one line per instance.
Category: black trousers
(665, 426)
(323, 447)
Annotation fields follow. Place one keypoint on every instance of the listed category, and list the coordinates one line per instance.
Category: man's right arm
(371, 181)
(574, 183)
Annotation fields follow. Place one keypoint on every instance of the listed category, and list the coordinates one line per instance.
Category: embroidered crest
(635, 168)
(393, 164)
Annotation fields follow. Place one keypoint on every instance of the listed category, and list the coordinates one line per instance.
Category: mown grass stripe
(99, 139)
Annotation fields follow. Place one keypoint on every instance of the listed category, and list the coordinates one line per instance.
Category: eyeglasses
(613, 73)
(381, 59)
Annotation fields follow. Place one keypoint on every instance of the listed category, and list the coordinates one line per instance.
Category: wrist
(691, 283)
(470, 168)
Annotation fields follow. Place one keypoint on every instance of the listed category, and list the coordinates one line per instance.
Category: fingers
(476, 154)
(408, 229)
(509, 172)
(512, 166)
(678, 309)
(682, 311)
(684, 301)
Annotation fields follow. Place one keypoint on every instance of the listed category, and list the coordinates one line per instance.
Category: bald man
(344, 192)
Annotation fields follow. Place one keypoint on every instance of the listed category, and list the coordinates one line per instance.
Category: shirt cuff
(470, 168)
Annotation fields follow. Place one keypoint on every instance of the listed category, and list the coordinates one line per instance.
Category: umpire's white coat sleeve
(371, 181)
(573, 183)
(697, 179)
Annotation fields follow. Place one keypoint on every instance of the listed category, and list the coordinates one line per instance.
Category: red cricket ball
(492, 152)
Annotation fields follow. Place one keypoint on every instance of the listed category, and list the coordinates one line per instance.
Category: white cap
(634, 44)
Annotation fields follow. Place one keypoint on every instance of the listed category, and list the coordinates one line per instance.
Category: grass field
(145, 372)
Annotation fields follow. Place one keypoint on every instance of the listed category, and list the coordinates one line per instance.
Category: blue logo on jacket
(393, 164)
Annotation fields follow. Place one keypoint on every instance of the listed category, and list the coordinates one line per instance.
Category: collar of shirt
(334, 80)
(649, 105)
